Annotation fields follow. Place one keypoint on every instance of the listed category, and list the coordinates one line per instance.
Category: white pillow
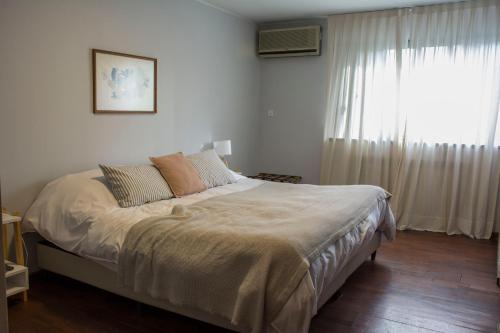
(63, 208)
(213, 172)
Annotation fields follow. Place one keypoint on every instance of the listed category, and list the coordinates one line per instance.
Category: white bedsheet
(79, 214)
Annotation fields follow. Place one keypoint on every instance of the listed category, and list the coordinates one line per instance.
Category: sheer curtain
(414, 103)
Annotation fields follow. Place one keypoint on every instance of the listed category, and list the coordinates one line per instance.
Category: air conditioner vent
(288, 42)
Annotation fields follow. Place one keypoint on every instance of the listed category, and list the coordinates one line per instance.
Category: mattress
(79, 214)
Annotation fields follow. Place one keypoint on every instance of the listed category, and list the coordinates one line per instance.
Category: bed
(86, 229)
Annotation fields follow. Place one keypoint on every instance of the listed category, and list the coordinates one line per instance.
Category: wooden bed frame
(54, 259)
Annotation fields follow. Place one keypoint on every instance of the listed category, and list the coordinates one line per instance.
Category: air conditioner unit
(290, 42)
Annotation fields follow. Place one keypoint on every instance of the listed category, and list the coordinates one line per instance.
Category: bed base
(56, 260)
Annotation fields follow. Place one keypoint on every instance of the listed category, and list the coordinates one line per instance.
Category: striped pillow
(136, 185)
(211, 169)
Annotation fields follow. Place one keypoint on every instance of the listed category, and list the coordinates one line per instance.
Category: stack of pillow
(170, 176)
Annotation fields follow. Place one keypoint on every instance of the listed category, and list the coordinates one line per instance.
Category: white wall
(208, 86)
(295, 88)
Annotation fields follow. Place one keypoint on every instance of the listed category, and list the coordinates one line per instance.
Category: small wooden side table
(17, 279)
(271, 177)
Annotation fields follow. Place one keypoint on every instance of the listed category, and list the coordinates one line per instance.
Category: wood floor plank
(376, 324)
(422, 282)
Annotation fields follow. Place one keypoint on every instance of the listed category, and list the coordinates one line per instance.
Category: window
(448, 95)
(434, 94)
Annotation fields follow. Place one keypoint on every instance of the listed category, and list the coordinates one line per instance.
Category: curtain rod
(466, 2)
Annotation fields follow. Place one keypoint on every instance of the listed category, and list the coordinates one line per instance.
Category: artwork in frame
(123, 83)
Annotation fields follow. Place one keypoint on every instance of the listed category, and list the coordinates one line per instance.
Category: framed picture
(123, 83)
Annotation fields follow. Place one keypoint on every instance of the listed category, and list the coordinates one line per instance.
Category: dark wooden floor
(422, 282)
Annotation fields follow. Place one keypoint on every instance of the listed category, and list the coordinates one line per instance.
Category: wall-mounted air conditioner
(290, 42)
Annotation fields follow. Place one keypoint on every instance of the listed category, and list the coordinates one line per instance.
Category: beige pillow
(213, 172)
(180, 174)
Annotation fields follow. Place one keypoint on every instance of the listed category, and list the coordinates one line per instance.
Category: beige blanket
(241, 256)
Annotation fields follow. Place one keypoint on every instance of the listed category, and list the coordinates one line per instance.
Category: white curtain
(413, 106)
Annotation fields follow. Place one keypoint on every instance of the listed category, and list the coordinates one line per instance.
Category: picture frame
(123, 83)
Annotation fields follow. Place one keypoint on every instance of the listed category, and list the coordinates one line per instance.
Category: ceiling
(276, 10)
